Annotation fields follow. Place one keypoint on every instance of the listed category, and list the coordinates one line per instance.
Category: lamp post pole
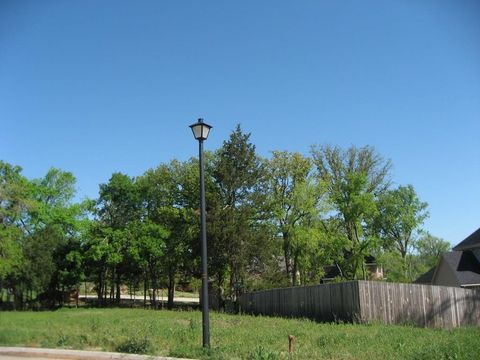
(200, 132)
(203, 235)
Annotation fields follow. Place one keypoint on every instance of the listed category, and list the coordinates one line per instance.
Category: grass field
(178, 333)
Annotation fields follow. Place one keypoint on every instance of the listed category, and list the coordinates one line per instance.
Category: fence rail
(366, 301)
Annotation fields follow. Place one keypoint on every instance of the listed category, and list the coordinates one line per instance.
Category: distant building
(373, 271)
(460, 267)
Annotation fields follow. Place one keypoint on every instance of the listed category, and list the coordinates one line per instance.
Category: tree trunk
(100, 289)
(286, 253)
(153, 277)
(294, 270)
(105, 292)
(171, 289)
(112, 286)
(220, 291)
(233, 294)
(145, 291)
(14, 293)
(154, 296)
(118, 291)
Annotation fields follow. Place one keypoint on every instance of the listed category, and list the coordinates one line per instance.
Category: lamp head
(200, 130)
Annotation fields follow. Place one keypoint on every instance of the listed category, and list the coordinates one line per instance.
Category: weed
(260, 353)
(193, 325)
(94, 324)
(84, 340)
(62, 340)
(135, 345)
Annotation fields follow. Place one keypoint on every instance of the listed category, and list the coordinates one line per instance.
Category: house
(459, 267)
(372, 271)
(330, 272)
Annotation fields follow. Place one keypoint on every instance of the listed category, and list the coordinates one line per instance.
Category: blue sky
(95, 87)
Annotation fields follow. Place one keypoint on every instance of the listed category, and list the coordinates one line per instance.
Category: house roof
(331, 271)
(465, 266)
(471, 242)
(427, 277)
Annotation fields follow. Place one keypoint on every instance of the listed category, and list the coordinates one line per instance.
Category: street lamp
(200, 132)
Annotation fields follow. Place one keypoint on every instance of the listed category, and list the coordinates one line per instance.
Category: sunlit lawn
(178, 333)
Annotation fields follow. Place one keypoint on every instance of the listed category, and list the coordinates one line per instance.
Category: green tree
(54, 235)
(118, 205)
(353, 178)
(164, 192)
(14, 203)
(236, 237)
(95, 252)
(430, 248)
(400, 215)
(39, 230)
(147, 249)
(295, 201)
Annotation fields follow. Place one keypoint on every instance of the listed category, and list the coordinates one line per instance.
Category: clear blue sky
(95, 87)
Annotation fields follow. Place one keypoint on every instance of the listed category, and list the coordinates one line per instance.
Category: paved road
(140, 298)
(19, 353)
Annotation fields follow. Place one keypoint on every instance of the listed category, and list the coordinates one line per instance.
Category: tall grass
(177, 333)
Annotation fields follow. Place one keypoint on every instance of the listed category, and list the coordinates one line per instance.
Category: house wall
(444, 275)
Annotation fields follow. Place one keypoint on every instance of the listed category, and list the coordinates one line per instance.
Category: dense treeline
(270, 222)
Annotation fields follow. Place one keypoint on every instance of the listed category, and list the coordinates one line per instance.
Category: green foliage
(39, 230)
(295, 201)
(270, 222)
(401, 213)
(14, 202)
(240, 242)
(353, 179)
(430, 248)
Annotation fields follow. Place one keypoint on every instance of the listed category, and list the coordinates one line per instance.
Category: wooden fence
(366, 301)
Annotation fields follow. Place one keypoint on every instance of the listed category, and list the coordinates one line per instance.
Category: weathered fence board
(366, 301)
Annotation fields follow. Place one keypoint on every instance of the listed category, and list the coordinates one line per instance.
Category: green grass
(177, 333)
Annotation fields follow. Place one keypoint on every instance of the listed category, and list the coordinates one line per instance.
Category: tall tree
(148, 249)
(354, 178)
(239, 174)
(430, 248)
(400, 215)
(14, 204)
(163, 197)
(118, 205)
(54, 245)
(295, 200)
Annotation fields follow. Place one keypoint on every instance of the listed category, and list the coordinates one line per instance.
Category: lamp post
(200, 132)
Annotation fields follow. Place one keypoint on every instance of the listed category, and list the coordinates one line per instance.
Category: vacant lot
(177, 333)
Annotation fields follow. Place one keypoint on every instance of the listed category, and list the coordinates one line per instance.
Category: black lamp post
(200, 132)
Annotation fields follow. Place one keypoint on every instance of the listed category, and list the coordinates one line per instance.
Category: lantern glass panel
(197, 131)
(206, 131)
